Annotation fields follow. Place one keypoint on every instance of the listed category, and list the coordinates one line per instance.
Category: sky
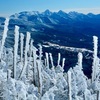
(9, 7)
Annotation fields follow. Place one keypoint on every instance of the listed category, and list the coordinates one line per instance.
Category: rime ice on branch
(80, 57)
(94, 66)
(31, 45)
(21, 43)
(63, 62)
(4, 36)
(40, 76)
(47, 60)
(40, 52)
(26, 50)
(16, 48)
(34, 64)
(69, 86)
(59, 57)
(51, 61)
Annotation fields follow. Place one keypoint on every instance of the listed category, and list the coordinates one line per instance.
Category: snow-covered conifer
(8, 74)
(59, 57)
(34, 64)
(47, 59)
(69, 86)
(4, 36)
(63, 62)
(16, 48)
(40, 76)
(80, 57)
(26, 50)
(21, 43)
(51, 61)
(94, 66)
(31, 45)
(40, 52)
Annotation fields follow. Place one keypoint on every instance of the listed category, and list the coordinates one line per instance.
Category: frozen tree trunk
(26, 50)
(16, 48)
(94, 66)
(34, 65)
(4, 36)
(69, 86)
(84, 96)
(51, 58)
(47, 60)
(80, 57)
(63, 63)
(22, 43)
(98, 95)
(40, 77)
(8, 74)
(40, 52)
(59, 57)
(31, 50)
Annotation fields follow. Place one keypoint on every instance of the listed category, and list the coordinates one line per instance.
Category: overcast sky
(8, 7)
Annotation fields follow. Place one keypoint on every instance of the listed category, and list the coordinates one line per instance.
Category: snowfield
(28, 75)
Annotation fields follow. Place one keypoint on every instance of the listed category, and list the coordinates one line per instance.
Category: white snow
(67, 48)
(51, 58)
(63, 62)
(69, 85)
(59, 56)
(16, 48)
(45, 80)
(47, 59)
(94, 67)
(4, 36)
(21, 43)
(26, 50)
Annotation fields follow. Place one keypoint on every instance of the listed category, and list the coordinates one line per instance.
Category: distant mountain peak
(47, 12)
(90, 14)
(74, 14)
(62, 13)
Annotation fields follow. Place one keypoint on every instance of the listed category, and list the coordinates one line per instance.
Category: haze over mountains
(71, 29)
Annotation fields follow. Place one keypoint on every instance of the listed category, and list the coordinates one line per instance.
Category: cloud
(4, 15)
(85, 10)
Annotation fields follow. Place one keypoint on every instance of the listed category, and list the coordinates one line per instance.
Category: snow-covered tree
(40, 52)
(30, 53)
(47, 60)
(45, 81)
(26, 50)
(22, 45)
(59, 57)
(63, 63)
(81, 82)
(51, 59)
(94, 66)
(16, 49)
(69, 86)
(4, 36)
(39, 67)
(34, 50)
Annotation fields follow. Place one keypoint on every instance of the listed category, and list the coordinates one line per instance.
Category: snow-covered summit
(47, 12)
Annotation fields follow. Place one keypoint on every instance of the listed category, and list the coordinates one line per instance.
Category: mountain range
(71, 29)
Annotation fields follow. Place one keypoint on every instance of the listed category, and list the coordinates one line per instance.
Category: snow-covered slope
(29, 75)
